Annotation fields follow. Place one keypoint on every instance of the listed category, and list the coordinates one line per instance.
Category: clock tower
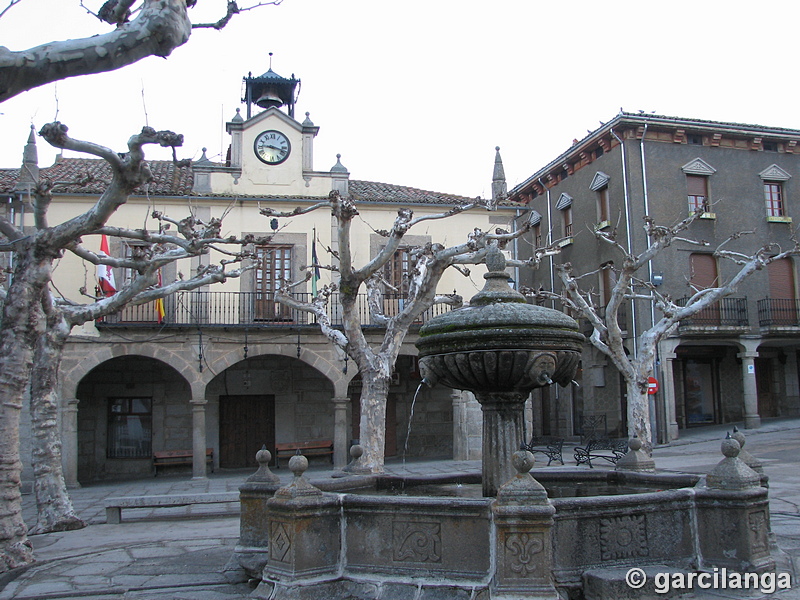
(271, 153)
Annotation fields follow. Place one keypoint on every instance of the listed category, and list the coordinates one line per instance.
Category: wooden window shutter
(781, 279)
(704, 271)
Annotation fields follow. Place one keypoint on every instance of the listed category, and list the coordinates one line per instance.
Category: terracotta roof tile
(171, 181)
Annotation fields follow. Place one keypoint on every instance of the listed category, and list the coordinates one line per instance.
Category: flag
(105, 274)
(160, 302)
(315, 263)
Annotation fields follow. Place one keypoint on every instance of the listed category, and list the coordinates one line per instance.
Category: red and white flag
(105, 274)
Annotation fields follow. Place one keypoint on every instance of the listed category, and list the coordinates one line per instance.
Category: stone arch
(313, 359)
(88, 362)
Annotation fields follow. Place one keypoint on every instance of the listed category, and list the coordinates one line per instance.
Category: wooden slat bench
(114, 506)
(315, 448)
(176, 458)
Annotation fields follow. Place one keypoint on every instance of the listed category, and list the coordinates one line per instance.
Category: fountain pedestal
(499, 348)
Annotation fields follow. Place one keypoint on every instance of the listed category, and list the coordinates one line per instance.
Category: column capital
(340, 400)
(747, 354)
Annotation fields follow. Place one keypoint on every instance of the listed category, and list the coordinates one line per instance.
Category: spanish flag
(160, 312)
(105, 274)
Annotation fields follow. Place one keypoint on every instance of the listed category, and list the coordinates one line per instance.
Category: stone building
(737, 361)
(227, 368)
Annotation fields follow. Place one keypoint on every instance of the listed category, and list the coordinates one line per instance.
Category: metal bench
(315, 448)
(607, 449)
(176, 458)
(549, 446)
(114, 506)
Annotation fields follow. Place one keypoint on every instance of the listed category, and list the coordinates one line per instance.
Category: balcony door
(274, 266)
(783, 305)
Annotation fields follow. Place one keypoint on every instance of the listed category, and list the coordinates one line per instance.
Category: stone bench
(114, 506)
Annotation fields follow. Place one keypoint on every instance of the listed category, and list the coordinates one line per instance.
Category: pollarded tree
(142, 28)
(35, 326)
(427, 265)
(607, 328)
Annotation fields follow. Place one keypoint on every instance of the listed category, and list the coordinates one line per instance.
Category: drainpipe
(549, 240)
(627, 227)
(653, 413)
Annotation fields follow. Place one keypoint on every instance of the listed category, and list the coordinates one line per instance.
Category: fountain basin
(396, 544)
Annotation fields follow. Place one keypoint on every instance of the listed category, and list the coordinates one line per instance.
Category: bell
(269, 98)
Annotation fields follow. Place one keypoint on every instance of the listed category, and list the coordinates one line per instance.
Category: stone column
(198, 439)
(523, 521)
(668, 386)
(502, 436)
(460, 433)
(341, 444)
(69, 443)
(752, 419)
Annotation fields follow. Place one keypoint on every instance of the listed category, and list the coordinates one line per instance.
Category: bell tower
(270, 89)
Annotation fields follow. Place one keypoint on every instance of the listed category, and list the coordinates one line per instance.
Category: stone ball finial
(635, 443)
(738, 436)
(298, 465)
(730, 447)
(356, 451)
(523, 461)
(263, 456)
(495, 261)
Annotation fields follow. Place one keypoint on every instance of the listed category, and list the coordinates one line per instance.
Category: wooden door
(782, 292)
(246, 423)
(274, 266)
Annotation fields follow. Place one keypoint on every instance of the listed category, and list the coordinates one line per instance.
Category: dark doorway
(245, 424)
(700, 381)
(767, 398)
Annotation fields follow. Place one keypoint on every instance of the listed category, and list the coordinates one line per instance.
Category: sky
(420, 92)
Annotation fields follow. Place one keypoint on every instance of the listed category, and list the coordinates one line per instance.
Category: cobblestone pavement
(180, 553)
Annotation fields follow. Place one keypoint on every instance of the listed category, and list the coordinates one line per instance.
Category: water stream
(410, 419)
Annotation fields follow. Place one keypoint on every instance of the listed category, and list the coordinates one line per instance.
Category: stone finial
(263, 474)
(356, 452)
(636, 459)
(299, 487)
(339, 167)
(522, 488)
(750, 460)
(731, 473)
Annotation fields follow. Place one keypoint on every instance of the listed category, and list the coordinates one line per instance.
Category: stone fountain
(515, 542)
(499, 348)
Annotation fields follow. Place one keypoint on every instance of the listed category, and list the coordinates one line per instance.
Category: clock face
(272, 147)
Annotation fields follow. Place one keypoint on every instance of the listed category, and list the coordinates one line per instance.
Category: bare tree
(158, 27)
(35, 325)
(427, 265)
(607, 329)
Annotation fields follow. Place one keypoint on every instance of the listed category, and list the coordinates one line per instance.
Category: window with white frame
(774, 181)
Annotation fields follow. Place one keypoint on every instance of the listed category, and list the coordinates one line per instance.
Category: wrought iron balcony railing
(246, 309)
(727, 312)
(778, 312)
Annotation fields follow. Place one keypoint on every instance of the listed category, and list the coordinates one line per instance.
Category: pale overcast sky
(420, 92)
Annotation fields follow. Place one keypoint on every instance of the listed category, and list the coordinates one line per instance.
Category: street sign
(652, 385)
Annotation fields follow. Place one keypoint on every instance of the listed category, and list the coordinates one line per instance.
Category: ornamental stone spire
(499, 188)
(29, 172)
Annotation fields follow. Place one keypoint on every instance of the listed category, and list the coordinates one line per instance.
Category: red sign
(652, 385)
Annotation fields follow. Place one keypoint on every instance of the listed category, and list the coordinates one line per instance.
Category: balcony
(779, 315)
(246, 309)
(728, 315)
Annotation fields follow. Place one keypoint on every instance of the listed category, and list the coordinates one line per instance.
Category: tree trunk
(639, 414)
(374, 394)
(22, 322)
(54, 507)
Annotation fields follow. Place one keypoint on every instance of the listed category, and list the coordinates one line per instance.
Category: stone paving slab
(179, 553)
